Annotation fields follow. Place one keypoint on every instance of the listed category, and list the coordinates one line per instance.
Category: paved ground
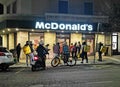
(92, 60)
(98, 74)
(85, 75)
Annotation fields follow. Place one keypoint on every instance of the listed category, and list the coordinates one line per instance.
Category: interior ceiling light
(48, 30)
(76, 31)
(8, 29)
(102, 32)
(3, 31)
(17, 29)
(32, 29)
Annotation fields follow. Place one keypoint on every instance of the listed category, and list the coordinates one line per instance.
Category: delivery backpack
(103, 49)
(86, 48)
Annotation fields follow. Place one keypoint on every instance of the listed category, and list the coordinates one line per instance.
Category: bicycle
(57, 60)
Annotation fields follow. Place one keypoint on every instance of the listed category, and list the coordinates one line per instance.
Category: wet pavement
(107, 60)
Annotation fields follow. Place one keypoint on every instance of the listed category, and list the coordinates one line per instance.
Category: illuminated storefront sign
(114, 41)
(61, 26)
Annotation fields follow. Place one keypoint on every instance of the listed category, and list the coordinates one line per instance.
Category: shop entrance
(90, 39)
(36, 38)
(61, 38)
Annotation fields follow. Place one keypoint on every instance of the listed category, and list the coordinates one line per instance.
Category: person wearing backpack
(84, 52)
(65, 52)
(28, 50)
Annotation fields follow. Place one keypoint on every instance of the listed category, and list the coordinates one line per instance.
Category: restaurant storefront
(51, 32)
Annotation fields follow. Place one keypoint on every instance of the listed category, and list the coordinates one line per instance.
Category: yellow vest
(26, 49)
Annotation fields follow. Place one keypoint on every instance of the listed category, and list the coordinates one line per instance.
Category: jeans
(29, 57)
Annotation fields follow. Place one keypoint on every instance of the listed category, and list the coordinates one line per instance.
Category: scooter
(36, 63)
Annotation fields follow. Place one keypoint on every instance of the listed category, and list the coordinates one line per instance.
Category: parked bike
(57, 60)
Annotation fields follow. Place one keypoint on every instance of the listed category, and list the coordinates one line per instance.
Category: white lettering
(90, 27)
(47, 25)
(82, 27)
(74, 27)
(68, 27)
(61, 26)
(39, 25)
(55, 26)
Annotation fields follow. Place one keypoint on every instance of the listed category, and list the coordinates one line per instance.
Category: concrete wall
(40, 7)
(26, 6)
(76, 7)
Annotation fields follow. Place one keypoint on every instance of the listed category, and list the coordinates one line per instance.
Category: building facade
(54, 21)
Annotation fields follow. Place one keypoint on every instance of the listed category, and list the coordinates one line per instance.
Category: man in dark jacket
(18, 49)
(42, 54)
(84, 53)
(99, 51)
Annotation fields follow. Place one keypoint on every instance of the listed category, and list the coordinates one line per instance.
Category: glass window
(88, 8)
(14, 7)
(63, 6)
(61, 38)
(1, 9)
(8, 9)
(35, 38)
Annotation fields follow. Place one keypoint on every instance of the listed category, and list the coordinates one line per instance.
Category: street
(63, 76)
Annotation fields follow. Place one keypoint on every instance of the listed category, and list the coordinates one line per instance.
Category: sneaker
(81, 62)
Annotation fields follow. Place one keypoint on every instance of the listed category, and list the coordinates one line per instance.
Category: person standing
(65, 52)
(56, 49)
(41, 50)
(84, 52)
(99, 51)
(71, 49)
(28, 50)
(46, 47)
(78, 48)
(75, 50)
(18, 50)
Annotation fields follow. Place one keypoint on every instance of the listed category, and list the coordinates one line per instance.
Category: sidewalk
(92, 60)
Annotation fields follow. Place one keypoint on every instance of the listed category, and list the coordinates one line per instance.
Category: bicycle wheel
(55, 62)
(71, 62)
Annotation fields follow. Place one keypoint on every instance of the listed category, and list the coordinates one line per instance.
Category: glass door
(62, 38)
(90, 39)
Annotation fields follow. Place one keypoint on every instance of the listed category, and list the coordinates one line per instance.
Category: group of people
(76, 50)
(73, 50)
(41, 52)
(79, 50)
(29, 52)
